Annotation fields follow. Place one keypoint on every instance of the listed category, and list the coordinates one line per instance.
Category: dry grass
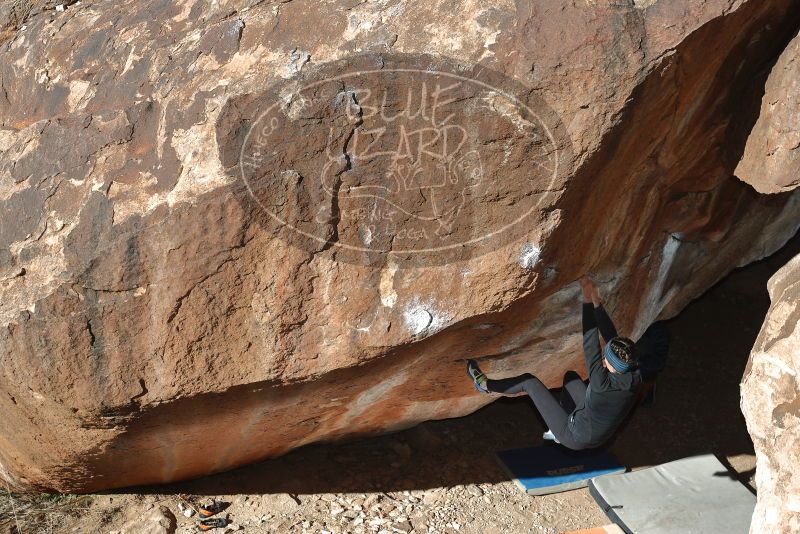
(44, 513)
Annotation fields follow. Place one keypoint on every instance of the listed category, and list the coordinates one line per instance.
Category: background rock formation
(771, 387)
(771, 405)
(771, 161)
(151, 329)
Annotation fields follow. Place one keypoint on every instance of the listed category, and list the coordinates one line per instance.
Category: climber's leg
(551, 411)
(575, 391)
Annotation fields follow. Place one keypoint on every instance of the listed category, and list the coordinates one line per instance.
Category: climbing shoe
(549, 436)
(477, 376)
(208, 524)
(207, 510)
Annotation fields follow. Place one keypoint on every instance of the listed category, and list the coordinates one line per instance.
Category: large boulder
(231, 229)
(771, 160)
(771, 405)
(771, 386)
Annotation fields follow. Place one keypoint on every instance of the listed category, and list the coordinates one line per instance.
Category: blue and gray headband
(614, 360)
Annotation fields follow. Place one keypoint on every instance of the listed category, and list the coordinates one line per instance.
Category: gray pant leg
(551, 411)
(575, 387)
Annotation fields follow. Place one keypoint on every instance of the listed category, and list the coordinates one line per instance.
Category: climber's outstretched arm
(598, 374)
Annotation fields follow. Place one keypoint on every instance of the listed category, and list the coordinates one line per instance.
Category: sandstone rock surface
(771, 161)
(183, 292)
(771, 405)
(770, 387)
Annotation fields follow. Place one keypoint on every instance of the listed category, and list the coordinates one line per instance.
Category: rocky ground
(440, 477)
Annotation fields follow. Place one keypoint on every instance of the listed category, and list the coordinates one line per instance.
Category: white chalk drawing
(401, 161)
(429, 161)
(529, 255)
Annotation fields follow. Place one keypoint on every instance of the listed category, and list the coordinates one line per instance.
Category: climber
(586, 416)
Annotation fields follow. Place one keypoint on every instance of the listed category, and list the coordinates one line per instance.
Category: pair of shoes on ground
(212, 522)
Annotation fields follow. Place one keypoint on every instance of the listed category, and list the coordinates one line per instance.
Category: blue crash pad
(552, 469)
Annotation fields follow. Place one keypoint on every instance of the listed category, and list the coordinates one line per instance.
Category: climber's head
(620, 355)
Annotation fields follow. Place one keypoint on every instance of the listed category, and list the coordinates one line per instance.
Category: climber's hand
(596, 300)
(587, 288)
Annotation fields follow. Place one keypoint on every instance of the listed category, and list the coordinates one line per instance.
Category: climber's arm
(605, 323)
(598, 373)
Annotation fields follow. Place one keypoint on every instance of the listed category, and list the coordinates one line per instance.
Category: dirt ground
(441, 477)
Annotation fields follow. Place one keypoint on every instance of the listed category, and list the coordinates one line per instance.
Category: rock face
(771, 161)
(771, 386)
(231, 230)
(771, 405)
